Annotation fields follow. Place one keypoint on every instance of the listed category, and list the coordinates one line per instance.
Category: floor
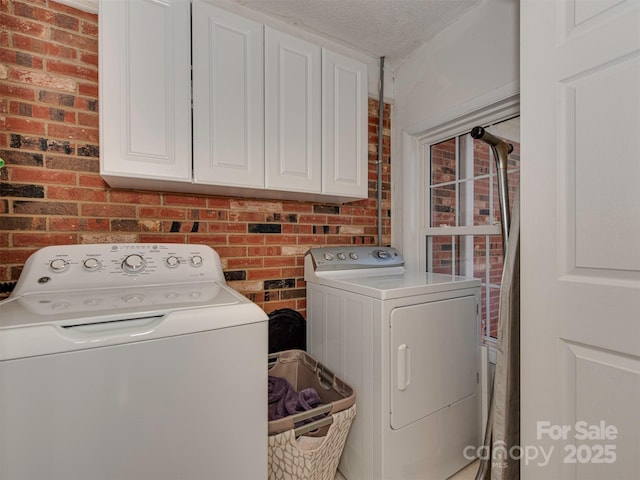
(467, 473)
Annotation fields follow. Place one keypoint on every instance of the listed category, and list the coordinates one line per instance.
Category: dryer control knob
(196, 261)
(342, 256)
(381, 254)
(134, 264)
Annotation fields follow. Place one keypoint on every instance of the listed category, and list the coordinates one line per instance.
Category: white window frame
(496, 113)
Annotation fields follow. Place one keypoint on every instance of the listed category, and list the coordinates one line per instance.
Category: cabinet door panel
(227, 98)
(145, 90)
(292, 88)
(344, 128)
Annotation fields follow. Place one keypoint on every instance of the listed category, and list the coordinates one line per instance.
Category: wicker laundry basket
(309, 451)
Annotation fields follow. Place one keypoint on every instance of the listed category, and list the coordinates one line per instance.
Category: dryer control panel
(354, 257)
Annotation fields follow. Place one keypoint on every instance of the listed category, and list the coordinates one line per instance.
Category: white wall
(468, 66)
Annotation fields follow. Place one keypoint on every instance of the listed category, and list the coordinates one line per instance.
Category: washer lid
(102, 305)
(44, 324)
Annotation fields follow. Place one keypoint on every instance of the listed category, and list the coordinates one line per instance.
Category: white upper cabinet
(228, 103)
(145, 91)
(344, 126)
(196, 99)
(293, 113)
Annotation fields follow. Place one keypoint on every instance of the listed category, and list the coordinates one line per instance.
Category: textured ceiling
(389, 28)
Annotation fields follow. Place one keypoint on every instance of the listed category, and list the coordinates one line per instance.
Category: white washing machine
(131, 361)
(408, 342)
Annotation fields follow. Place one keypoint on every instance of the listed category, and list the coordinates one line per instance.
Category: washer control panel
(79, 267)
(345, 258)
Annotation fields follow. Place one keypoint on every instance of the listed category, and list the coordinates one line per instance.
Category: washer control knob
(59, 265)
(196, 260)
(173, 261)
(91, 264)
(342, 256)
(134, 264)
(353, 255)
(328, 256)
(381, 254)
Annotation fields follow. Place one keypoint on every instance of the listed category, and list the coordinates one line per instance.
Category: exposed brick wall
(52, 193)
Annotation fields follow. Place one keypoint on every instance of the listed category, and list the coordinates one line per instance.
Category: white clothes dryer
(408, 342)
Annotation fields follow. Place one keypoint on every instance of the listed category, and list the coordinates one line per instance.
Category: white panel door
(580, 199)
(344, 126)
(145, 89)
(434, 357)
(228, 104)
(292, 103)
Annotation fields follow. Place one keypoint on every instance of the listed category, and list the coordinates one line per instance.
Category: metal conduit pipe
(380, 124)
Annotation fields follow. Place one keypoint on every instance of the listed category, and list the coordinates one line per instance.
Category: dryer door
(434, 357)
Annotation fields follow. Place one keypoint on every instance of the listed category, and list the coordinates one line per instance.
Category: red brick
(89, 58)
(135, 197)
(15, 255)
(74, 133)
(224, 251)
(43, 239)
(87, 16)
(244, 262)
(293, 272)
(21, 25)
(246, 239)
(78, 71)
(227, 227)
(92, 181)
(88, 119)
(89, 28)
(160, 212)
(89, 89)
(281, 239)
(54, 49)
(264, 274)
(42, 79)
(80, 42)
(79, 194)
(266, 251)
(174, 199)
(219, 202)
(279, 262)
(162, 238)
(23, 125)
(107, 210)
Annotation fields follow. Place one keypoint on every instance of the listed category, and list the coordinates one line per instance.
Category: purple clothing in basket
(284, 400)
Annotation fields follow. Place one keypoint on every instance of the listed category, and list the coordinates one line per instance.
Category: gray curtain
(506, 394)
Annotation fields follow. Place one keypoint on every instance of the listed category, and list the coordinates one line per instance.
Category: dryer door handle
(404, 367)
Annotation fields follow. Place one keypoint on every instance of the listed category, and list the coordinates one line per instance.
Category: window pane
(443, 162)
(482, 202)
(443, 206)
(444, 253)
(481, 159)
